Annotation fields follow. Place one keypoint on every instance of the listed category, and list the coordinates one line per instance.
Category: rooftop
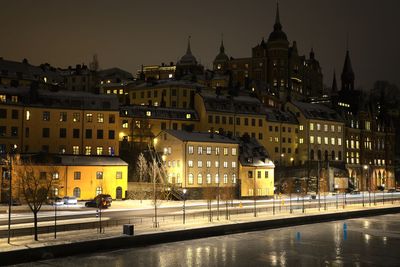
(200, 137)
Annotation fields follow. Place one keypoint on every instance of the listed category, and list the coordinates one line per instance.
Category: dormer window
(148, 113)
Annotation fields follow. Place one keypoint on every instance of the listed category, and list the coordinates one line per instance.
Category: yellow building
(256, 173)
(276, 130)
(59, 122)
(195, 160)
(80, 176)
(142, 123)
(166, 93)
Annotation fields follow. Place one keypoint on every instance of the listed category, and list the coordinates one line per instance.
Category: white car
(70, 200)
(57, 201)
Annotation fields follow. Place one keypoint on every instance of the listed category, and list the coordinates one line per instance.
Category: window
(260, 122)
(339, 141)
(234, 151)
(200, 164)
(318, 127)
(208, 164)
(311, 126)
(3, 130)
(217, 178)
(253, 122)
(326, 140)
(111, 151)
(234, 178)
(56, 176)
(266, 174)
(99, 175)
(190, 163)
(217, 151)
(99, 134)
(111, 134)
(259, 174)
(332, 128)
(99, 150)
(190, 178)
(319, 140)
(312, 139)
(14, 114)
(233, 164)
(76, 117)
(339, 129)
(237, 121)
(301, 140)
(100, 117)
(26, 132)
(225, 178)
(208, 178)
(99, 190)
(301, 127)
(325, 127)
(89, 117)
(42, 175)
(199, 150)
(77, 192)
(199, 178)
(27, 115)
(88, 134)
(225, 164)
(88, 150)
(63, 132)
(216, 164)
(75, 133)
(333, 141)
(111, 118)
(210, 119)
(14, 131)
(46, 115)
(75, 150)
(118, 175)
(46, 132)
(190, 149)
(249, 174)
(208, 150)
(225, 151)
(63, 116)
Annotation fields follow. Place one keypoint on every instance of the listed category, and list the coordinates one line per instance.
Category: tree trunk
(35, 226)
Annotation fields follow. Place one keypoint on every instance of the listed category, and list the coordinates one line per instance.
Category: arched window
(233, 178)
(208, 178)
(77, 192)
(190, 178)
(333, 155)
(340, 155)
(99, 190)
(217, 178)
(199, 178)
(55, 191)
(312, 154)
(326, 155)
(319, 155)
(225, 178)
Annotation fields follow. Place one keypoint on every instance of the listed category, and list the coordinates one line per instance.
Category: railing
(296, 205)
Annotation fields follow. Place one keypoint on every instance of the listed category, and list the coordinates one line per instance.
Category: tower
(347, 74)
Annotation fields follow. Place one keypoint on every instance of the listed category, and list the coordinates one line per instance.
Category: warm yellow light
(155, 141)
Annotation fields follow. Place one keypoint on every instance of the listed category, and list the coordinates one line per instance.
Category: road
(372, 241)
(78, 218)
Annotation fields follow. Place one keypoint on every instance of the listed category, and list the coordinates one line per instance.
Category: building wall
(256, 179)
(88, 182)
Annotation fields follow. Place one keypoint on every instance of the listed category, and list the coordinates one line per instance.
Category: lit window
(225, 164)
(28, 115)
(99, 175)
(190, 178)
(333, 141)
(301, 127)
(216, 164)
(199, 178)
(319, 140)
(208, 178)
(339, 129)
(3, 98)
(99, 190)
(312, 139)
(148, 113)
(233, 164)
(125, 124)
(89, 117)
(225, 151)
(234, 178)
(339, 141)
(190, 149)
(100, 117)
(188, 116)
(75, 150)
(190, 163)
(208, 150)
(301, 140)
(217, 151)
(56, 176)
(225, 178)
(208, 164)
(326, 140)
(234, 151)
(318, 127)
(311, 126)
(88, 150)
(199, 150)
(76, 117)
(77, 175)
(200, 164)
(332, 128)
(217, 178)
(99, 150)
(325, 127)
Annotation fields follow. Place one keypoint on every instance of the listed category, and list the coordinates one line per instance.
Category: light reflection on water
(323, 244)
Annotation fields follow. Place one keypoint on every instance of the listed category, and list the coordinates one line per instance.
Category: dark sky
(129, 33)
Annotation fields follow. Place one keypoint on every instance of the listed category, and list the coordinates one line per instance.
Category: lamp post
(184, 205)
(254, 195)
(9, 161)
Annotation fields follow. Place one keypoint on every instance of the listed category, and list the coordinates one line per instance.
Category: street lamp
(366, 168)
(184, 205)
(8, 175)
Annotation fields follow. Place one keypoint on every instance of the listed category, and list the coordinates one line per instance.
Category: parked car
(57, 201)
(70, 200)
(96, 204)
(104, 198)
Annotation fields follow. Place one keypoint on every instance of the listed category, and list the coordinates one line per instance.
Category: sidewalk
(146, 227)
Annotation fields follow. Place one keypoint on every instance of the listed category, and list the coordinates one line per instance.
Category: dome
(277, 34)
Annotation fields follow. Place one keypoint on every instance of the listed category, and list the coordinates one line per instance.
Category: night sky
(129, 33)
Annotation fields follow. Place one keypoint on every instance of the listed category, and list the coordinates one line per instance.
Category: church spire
(188, 50)
(347, 73)
(334, 83)
(222, 48)
(277, 25)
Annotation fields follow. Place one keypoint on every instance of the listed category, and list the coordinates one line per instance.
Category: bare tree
(227, 194)
(35, 188)
(142, 167)
(209, 193)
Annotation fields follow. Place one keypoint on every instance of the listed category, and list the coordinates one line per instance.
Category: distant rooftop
(153, 112)
(200, 137)
(317, 111)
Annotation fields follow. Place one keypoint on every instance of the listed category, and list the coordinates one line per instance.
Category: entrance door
(119, 193)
